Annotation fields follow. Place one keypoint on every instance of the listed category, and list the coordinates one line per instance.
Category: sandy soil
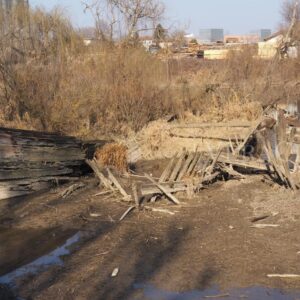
(208, 242)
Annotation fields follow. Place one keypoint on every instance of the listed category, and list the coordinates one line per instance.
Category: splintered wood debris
(275, 153)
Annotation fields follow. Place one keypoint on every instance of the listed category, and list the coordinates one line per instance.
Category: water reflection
(40, 264)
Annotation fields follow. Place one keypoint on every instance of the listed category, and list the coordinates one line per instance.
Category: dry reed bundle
(112, 155)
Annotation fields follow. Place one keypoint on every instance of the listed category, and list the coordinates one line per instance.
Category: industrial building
(241, 39)
(262, 33)
(212, 35)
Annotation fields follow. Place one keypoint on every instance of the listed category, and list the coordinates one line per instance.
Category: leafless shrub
(118, 90)
(34, 48)
(50, 81)
(287, 10)
(134, 16)
(240, 86)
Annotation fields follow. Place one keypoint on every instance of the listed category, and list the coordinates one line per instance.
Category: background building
(241, 39)
(212, 35)
(262, 33)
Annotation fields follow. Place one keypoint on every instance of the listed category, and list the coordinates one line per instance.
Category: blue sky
(235, 16)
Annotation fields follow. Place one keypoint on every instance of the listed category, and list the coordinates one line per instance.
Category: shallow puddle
(150, 292)
(18, 247)
(41, 263)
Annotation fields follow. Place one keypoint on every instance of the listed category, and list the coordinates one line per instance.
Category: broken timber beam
(250, 133)
(177, 167)
(167, 172)
(151, 189)
(186, 165)
(117, 184)
(162, 189)
(243, 162)
(205, 137)
(210, 125)
(93, 165)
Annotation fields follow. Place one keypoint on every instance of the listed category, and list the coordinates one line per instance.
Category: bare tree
(287, 11)
(290, 11)
(132, 15)
(159, 33)
(104, 14)
(139, 15)
(291, 14)
(178, 38)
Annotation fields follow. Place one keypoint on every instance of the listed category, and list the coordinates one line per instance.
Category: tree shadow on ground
(6, 293)
(59, 273)
(149, 261)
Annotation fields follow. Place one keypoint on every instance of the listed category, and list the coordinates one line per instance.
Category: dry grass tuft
(113, 155)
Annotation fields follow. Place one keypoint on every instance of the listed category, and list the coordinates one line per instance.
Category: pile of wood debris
(271, 147)
(32, 161)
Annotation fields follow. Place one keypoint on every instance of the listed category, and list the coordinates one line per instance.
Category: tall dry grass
(50, 81)
(35, 48)
(111, 92)
(241, 86)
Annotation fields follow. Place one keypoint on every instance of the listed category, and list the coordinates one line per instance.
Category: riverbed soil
(209, 241)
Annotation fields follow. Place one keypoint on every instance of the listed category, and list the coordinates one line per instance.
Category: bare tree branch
(134, 15)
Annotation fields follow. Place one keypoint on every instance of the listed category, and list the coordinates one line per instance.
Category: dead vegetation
(55, 83)
(191, 172)
(51, 81)
(58, 84)
(113, 155)
(240, 87)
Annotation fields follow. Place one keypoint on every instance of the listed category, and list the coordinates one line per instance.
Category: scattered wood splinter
(261, 226)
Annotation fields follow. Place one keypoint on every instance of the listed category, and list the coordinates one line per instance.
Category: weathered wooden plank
(31, 161)
(210, 177)
(36, 134)
(13, 165)
(167, 172)
(7, 139)
(165, 191)
(250, 133)
(151, 190)
(205, 137)
(33, 173)
(117, 184)
(35, 154)
(177, 167)
(214, 161)
(93, 165)
(193, 163)
(185, 166)
(242, 161)
(232, 172)
(10, 189)
(201, 165)
(135, 194)
(273, 159)
(202, 171)
(216, 125)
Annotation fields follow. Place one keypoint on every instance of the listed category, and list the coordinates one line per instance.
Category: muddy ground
(207, 243)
